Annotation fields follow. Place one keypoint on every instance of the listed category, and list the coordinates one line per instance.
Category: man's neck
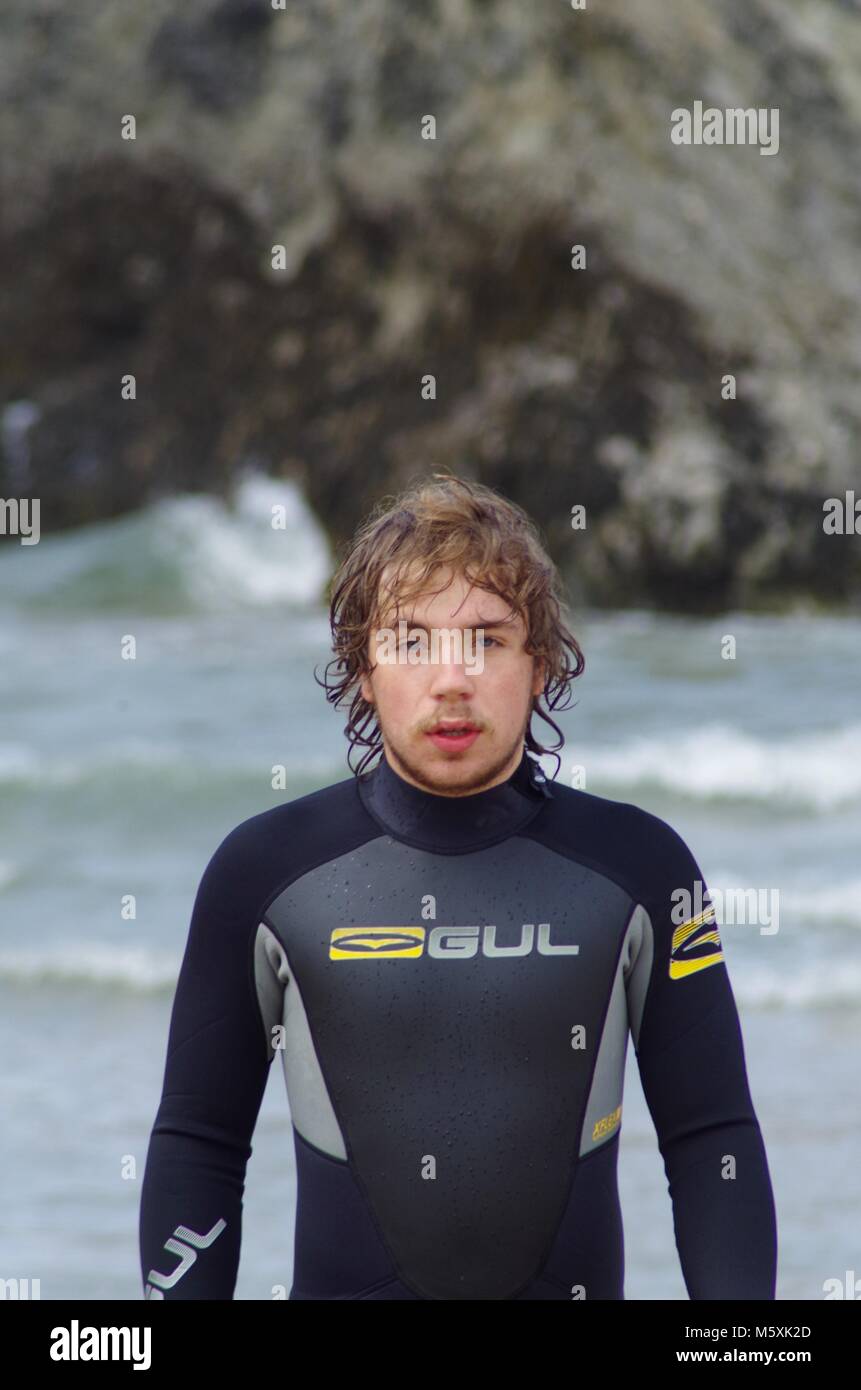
(453, 824)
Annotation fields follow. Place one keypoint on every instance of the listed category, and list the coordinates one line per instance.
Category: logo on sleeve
(696, 945)
(185, 1243)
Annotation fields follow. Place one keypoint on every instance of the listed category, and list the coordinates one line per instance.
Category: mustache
(431, 722)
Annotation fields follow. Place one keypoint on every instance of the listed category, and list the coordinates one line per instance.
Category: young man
(449, 952)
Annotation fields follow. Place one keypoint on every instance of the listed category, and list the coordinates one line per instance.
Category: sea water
(118, 779)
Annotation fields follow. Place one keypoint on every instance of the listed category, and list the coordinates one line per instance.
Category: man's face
(488, 684)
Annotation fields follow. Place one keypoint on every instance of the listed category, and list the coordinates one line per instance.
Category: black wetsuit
(451, 982)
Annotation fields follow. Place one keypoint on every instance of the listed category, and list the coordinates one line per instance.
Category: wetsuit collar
(453, 824)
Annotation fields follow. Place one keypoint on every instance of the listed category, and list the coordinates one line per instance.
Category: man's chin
(459, 772)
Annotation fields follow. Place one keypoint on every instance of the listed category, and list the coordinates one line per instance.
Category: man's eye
(418, 640)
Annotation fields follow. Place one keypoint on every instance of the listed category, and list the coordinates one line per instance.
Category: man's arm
(691, 1059)
(215, 1074)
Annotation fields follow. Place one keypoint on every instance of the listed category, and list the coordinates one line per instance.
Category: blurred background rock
(301, 127)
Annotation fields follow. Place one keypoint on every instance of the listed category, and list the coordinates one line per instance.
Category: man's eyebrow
(479, 622)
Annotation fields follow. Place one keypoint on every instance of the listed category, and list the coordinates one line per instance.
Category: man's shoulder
(284, 841)
(310, 808)
(631, 845)
(574, 809)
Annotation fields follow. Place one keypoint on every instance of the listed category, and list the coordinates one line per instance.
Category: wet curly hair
(445, 523)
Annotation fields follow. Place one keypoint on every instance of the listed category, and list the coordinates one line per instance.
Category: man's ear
(540, 675)
(368, 661)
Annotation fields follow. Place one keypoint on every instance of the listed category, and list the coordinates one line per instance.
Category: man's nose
(449, 677)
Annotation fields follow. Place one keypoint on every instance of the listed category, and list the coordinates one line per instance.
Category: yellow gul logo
(352, 943)
(443, 943)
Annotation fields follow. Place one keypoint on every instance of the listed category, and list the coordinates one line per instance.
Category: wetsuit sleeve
(215, 1074)
(691, 1059)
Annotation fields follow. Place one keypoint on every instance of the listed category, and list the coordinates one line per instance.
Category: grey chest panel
(457, 1032)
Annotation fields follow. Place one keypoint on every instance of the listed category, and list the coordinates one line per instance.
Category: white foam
(194, 550)
(817, 985)
(236, 555)
(838, 902)
(821, 770)
(124, 967)
(154, 760)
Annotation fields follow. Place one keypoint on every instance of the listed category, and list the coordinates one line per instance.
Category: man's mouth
(454, 733)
